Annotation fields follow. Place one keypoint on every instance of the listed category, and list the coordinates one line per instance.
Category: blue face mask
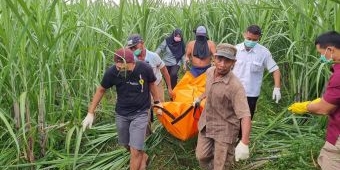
(137, 52)
(249, 43)
(323, 58)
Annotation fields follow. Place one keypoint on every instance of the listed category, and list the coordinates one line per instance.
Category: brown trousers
(212, 154)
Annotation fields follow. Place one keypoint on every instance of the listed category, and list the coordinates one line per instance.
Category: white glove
(241, 151)
(87, 122)
(196, 102)
(276, 94)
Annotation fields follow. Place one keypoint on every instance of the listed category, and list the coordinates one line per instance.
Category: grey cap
(201, 31)
(226, 50)
(133, 40)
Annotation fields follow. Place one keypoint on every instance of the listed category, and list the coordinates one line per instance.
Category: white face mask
(177, 39)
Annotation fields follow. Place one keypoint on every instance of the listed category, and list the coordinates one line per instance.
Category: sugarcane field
(170, 84)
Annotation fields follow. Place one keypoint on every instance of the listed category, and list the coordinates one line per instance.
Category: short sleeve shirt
(226, 104)
(332, 95)
(133, 90)
(156, 64)
(250, 66)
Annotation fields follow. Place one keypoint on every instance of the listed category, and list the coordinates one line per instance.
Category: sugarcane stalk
(41, 124)
(16, 115)
(30, 153)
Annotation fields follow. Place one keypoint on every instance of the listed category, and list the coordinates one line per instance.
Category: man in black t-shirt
(134, 81)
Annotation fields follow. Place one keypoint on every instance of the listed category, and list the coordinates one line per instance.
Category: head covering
(226, 50)
(124, 54)
(133, 40)
(201, 48)
(177, 48)
(201, 31)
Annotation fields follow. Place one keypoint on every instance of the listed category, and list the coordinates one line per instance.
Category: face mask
(177, 39)
(137, 52)
(122, 68)
(323, 58)
(124, 72)
(249, 43)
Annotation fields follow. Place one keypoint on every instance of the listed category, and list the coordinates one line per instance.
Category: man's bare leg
(144, 161)
(136, 158)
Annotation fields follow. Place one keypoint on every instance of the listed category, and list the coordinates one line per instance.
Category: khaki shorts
(329, 158)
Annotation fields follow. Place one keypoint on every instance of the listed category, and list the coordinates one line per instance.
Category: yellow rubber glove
(316, 100)
(301, 107)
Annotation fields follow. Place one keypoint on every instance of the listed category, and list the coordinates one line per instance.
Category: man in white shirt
(136, 44)
(252, 59)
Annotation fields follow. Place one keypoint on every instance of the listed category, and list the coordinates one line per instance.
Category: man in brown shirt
(200, 52)
(226, 105)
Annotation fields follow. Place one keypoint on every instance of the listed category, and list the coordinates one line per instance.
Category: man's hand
(171, 94)
(187, 59)
(301, 107)
(158, 105)
(184, 67)
(276, 94)
(196, 102)
(188, 64)
(241, 151)
(87, 122)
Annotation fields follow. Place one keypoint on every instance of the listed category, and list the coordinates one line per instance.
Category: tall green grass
(53, 54)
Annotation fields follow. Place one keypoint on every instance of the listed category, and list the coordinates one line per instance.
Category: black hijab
(201, 48)
(177, 48)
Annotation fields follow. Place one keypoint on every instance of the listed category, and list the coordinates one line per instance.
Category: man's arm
(188, 51)
(96, 99)
(322, 107)
(212, 47)
(161, 47)
(87, 122)
(245, 126)
(153, 90)
(242, 148)
(277, 78)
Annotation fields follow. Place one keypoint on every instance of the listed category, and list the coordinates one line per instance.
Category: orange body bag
(180, 117)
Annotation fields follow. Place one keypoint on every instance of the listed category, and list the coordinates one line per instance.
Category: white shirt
(156, 64)
(250, 66)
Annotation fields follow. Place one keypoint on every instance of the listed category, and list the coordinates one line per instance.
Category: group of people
(234, 79)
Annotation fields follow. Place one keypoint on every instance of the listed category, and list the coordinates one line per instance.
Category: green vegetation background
(53, 54)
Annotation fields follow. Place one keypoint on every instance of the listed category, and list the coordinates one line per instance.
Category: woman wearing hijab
(173, 50)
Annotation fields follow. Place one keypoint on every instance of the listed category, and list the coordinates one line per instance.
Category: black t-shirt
(133, 92)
